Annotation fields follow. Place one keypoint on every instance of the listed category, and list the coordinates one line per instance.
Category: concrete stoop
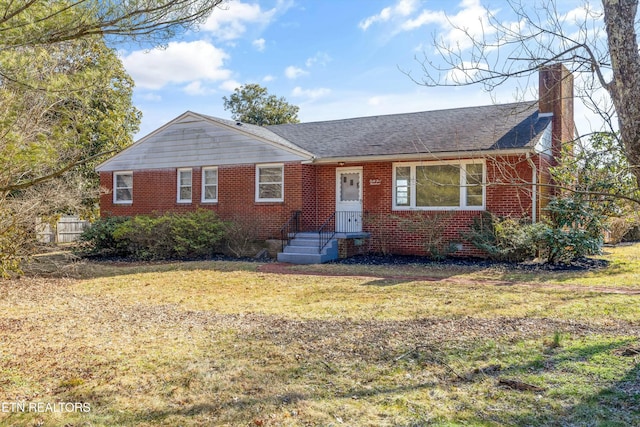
(303, 249)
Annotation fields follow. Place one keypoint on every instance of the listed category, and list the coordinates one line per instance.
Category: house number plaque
(375, 181)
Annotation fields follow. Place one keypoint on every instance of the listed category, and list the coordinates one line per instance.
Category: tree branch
(55, 174)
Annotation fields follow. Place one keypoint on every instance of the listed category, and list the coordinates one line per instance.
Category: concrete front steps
(303, 249)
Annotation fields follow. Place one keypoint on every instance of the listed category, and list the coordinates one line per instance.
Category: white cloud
(180, 62)
(471, 22)
(230, 85)
(293, 72)
(425, 18)
(154, 97)
(230, 21)
(268, 78)
(259, 44)
(320, 58)
(375, 100)
(402, 8)
(298, 92)
(194, 88)
(197, 88)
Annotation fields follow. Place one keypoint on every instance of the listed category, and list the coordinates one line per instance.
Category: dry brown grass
(219, 343)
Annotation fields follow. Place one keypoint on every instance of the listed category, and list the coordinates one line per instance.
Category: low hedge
(149, 237)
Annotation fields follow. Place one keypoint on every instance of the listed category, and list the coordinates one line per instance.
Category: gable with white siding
(193, 140)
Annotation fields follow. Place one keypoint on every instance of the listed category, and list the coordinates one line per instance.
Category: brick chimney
(556, 99)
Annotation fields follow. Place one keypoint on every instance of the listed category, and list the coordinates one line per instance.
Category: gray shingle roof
(259, 131)
(470, 129)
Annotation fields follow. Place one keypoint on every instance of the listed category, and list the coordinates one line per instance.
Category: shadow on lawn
(66, 265)
(616, 404)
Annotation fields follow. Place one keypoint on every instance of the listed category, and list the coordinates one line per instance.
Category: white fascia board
(296, 151)
(446, 155)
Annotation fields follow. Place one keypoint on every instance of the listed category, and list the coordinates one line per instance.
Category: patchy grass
(622, 271)
(223, 343)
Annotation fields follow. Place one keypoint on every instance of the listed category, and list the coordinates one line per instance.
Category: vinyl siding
(192, 142)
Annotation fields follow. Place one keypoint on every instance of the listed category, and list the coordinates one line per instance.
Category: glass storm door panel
(348, 200)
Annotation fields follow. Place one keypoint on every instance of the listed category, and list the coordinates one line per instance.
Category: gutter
(534, 189)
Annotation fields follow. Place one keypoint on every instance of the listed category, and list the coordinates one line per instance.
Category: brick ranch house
(385, 183)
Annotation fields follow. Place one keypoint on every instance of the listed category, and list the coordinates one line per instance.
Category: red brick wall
(312, 189)
(155, 191)
(555, 83)
(508, 194)
(309, 200)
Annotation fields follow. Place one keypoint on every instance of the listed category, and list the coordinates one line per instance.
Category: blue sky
(333, 58)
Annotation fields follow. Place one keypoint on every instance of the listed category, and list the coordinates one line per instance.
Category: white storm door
(348, 200)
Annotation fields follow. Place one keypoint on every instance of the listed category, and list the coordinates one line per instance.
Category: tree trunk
(619, 18)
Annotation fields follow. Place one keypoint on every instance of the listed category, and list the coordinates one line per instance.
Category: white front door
(348, 200)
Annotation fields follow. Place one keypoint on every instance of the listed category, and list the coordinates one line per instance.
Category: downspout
(534, 189)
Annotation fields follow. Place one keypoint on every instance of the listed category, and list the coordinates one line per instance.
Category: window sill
(269, 202)
(438, 209)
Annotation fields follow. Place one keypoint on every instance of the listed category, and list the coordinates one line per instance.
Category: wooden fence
(67, 229)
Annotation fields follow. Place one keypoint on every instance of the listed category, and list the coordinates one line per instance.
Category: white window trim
(463, 187)
(203, 192)
(269, 165)
(179, 185)
(115, 189)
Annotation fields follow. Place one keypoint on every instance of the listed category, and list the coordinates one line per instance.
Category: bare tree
(601, 49)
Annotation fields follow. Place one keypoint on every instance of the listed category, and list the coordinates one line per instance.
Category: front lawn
(230, 343)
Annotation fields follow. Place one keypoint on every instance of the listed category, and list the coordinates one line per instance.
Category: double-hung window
(184, 185)
(270, 183)
(123, 187)
(210, 184)
(439, 185)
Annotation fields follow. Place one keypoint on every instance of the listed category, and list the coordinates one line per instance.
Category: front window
(184, 185)
(439, 185)
(210, 184)
(403, 188)
(270, 183)
(474, 178)
(123, 187)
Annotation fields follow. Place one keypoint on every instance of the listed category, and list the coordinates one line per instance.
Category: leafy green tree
(599, 173)
(251, 103)
(63, 107)
(65, 101)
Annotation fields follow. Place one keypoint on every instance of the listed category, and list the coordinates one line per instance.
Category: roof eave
(421, 156)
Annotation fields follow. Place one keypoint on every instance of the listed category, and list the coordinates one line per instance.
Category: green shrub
(506, 239)
(196, 234)
(576, 230)
(572, 229)
(99, 240)
(172, 235)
